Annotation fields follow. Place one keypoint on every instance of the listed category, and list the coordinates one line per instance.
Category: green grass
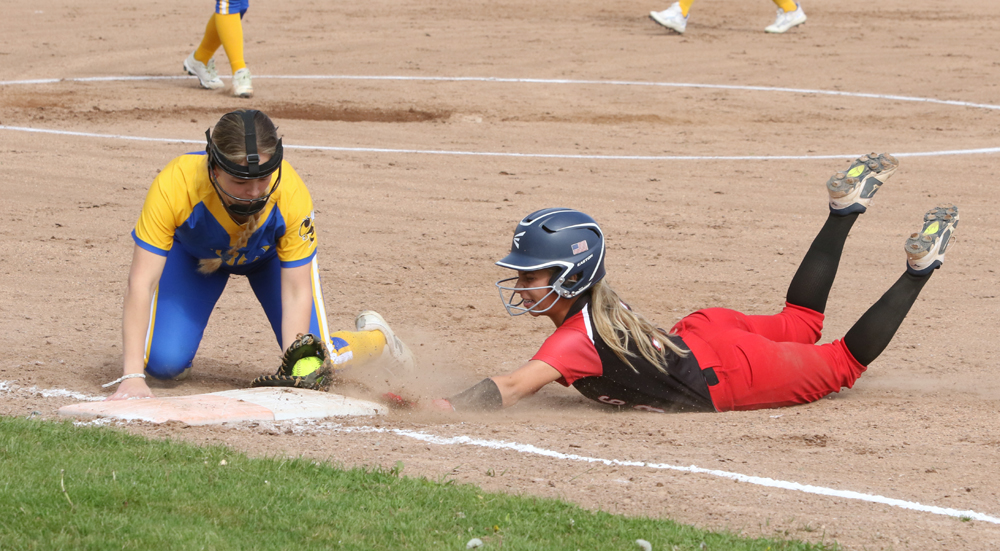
(126, 492)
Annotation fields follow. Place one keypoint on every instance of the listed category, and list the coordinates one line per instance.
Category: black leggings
(810, 288)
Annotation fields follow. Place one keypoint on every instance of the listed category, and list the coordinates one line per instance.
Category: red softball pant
(767, 361)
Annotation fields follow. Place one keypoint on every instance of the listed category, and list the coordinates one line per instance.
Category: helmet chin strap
(240, 207)
(245, 210)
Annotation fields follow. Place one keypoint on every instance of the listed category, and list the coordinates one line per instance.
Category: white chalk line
(12, 386)
(979, 151)
(760, 481)
(301, 426)
(740, 87)
(807, 91)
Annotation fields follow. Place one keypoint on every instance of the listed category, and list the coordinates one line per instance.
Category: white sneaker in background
(241, 83)
(207, 76)
(787, 19)
(671, 18)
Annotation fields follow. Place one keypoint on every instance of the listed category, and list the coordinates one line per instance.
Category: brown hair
(230, 137)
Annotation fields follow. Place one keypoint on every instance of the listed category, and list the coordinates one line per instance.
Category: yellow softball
(305, 366)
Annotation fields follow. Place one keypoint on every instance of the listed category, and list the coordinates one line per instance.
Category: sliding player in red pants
(714, 359)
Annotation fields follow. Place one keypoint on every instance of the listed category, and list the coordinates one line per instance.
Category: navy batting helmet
(565, 239)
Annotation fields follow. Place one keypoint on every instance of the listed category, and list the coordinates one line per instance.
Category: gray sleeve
(484, 396)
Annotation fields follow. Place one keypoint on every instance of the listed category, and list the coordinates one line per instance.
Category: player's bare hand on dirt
(131, 388)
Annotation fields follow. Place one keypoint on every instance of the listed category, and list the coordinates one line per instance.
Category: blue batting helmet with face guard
(567, 240)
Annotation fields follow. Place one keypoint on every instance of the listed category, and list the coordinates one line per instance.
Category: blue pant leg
(184, 301)
(266, 284)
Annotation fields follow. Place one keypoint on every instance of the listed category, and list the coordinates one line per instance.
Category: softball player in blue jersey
(237, 208)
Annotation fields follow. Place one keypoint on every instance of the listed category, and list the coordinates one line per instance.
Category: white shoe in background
(787, 19)
(207, 76)
(671, 18)
(242, 86)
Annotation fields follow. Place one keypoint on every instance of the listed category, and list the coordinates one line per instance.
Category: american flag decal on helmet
(580, 247)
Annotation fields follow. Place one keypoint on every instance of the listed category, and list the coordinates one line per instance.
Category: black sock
(871, 334)
(810, 287)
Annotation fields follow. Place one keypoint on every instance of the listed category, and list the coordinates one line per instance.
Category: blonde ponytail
(616, 324)
(210, 265)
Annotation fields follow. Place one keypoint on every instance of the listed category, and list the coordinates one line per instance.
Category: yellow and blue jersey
(226, 7)
(183, 208)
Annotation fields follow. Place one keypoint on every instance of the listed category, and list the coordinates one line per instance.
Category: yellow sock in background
(685, 6)
(230, 32)
(209, 43)
(787, 5)
(357, 347)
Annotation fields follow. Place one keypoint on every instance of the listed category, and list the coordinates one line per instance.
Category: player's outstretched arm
(503, 390)
(143, 277)
(296, 302)
(525, 381)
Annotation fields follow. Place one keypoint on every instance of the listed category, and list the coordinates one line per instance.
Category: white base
(251, 404)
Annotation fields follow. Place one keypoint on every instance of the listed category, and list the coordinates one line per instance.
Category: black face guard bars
(253, 170)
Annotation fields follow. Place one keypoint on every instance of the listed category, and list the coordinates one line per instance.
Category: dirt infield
(413, 233)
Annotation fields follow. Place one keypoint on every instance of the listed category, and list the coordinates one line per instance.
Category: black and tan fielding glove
(305, 364)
